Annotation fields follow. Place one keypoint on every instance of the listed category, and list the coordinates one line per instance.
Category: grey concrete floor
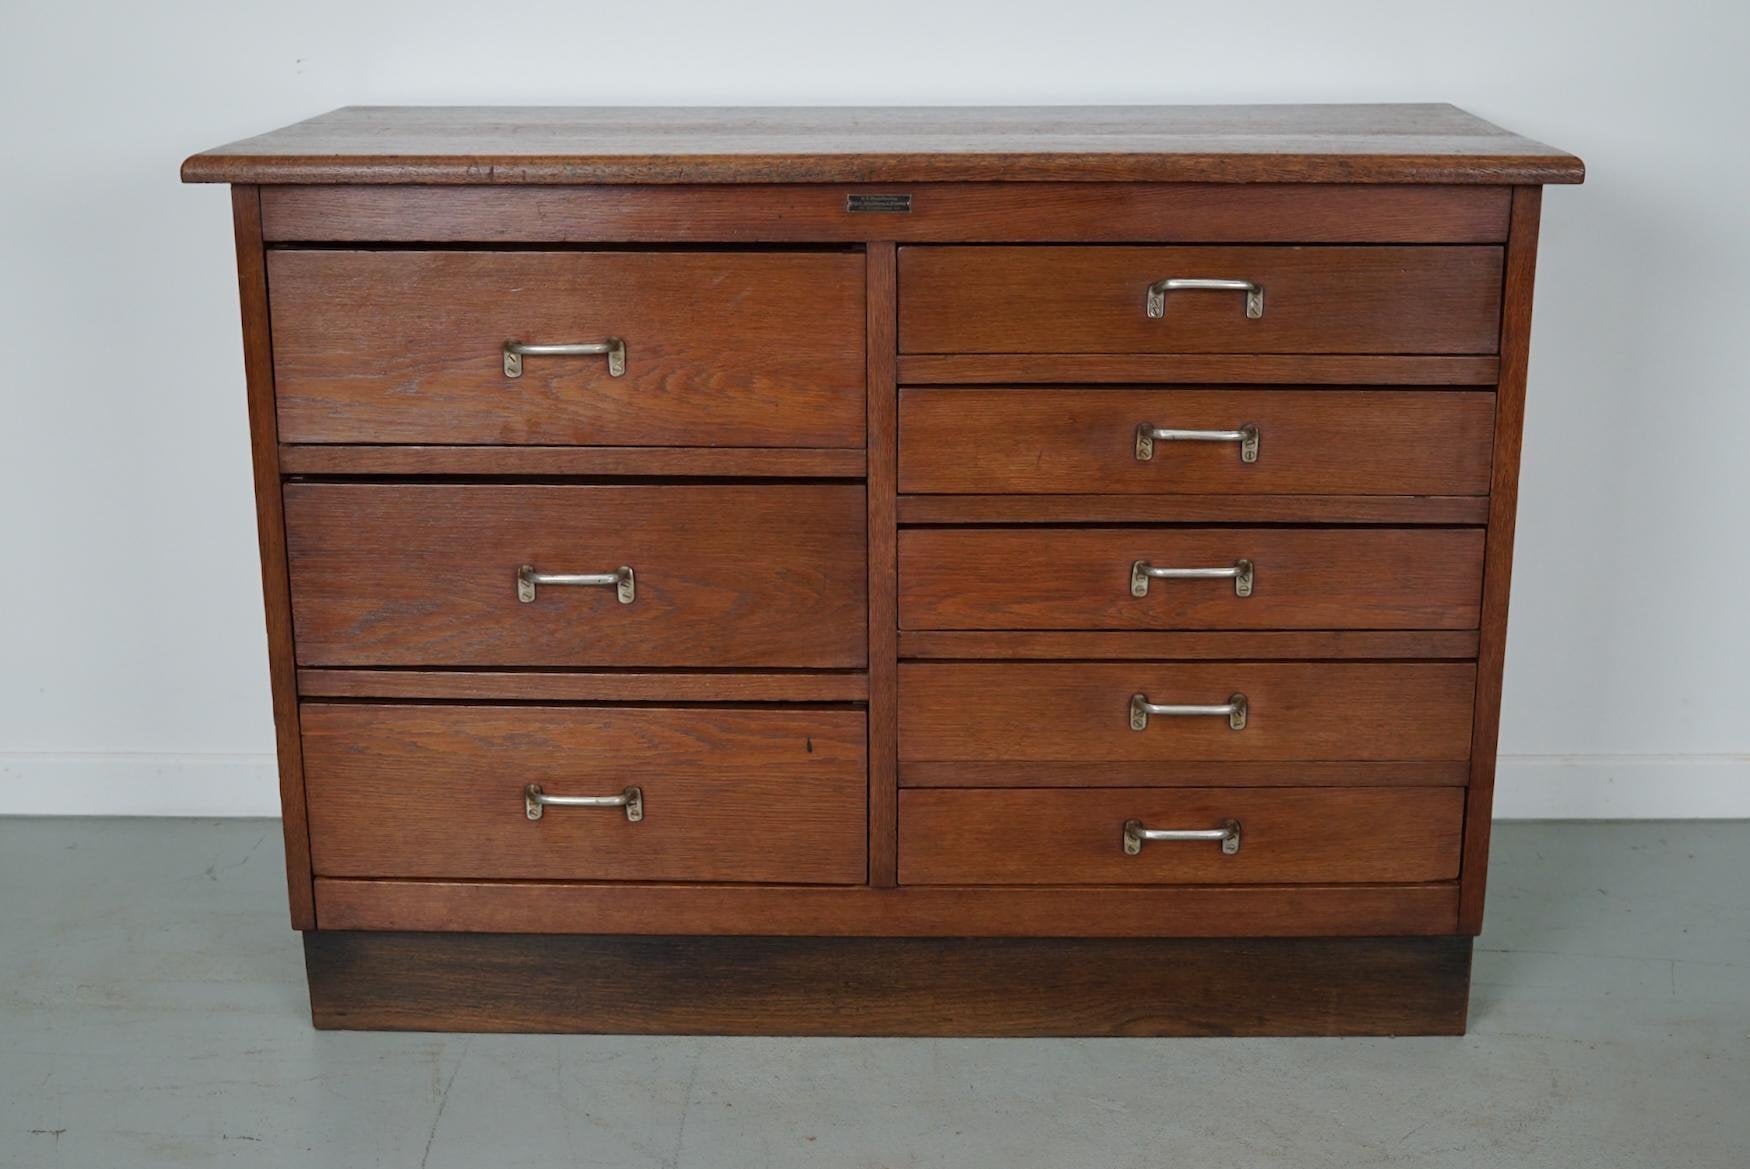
(152, 1013)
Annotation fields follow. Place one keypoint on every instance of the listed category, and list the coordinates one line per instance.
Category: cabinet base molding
(887, 986)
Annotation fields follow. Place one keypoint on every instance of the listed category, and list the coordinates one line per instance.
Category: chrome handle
(1141, 572)
(1147, 434)
(1233, 710)
(613, 348)
(1135, 836)
(535, 798)
(1157, 293)
(621, 580)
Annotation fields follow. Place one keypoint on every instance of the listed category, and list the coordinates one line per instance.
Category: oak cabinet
(901, 571)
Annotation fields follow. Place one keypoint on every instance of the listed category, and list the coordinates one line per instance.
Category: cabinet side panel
(271, 530)
(1520, 268)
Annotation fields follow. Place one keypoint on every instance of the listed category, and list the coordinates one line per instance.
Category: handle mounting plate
(1147, 434)
(623, 580)
(1234, 710)
(536, 800)
(1243, 574)
(1135, 835)
(1156, 305)
(613, 349)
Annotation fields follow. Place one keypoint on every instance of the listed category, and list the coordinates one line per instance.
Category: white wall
(132, 658)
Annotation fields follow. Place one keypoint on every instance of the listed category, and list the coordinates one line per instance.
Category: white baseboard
(1527, 787)
(45, 783)
(1622, 787)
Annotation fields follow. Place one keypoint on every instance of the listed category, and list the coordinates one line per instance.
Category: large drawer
(1094, 836)
(1313, 442)
(431, 575)
(720, 348)
(1381, 300)
(1073, 712)
(722, 794)
(1283, 578)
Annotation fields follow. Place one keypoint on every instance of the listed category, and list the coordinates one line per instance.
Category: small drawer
(1233, 442)
(1225, 836)
(734, 349)
(1190, 578)
(1380, 300)
(461, 575)
(1072, 712)
(704, 794)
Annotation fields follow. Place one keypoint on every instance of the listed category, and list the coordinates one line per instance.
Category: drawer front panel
(427, 574)
(1058, 578)
(1315, 442)
(1072, 712)
(721, 349)
(724, 795)
(1287, 836)
(1095, 300)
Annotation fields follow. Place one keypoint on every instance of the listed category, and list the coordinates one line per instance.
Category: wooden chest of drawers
(1004, 571)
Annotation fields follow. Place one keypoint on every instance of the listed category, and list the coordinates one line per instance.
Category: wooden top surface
(1240, 144)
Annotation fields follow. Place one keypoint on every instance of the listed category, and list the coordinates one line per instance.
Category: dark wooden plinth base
(888, 986)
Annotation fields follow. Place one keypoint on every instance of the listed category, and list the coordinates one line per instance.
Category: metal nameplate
(893, 204)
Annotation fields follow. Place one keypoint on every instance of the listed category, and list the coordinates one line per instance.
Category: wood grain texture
(270, 529)
(946, 213)
(1182, 645)
(1230, 911)
(801, 754)
(1080, 579)
(587, 686)
(729, 349)
(1011, 774)
(1299, 369)
(727, 576)
(729, 794)
(1380, 300)
(1353, 510)
(888, 986)
(550, 461)
(1194, 509)
(487, 145)
(883, 459)
(1049, 836)
(1310, 442)
(1498, 556)
(1078, 711)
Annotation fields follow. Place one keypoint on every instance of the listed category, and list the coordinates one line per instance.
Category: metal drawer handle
(1157, 293)
(621, 580)
(613, 347)
(1141, 572)
(632, 799)
(1147, 434)
(1233, 710)
(1135, 836)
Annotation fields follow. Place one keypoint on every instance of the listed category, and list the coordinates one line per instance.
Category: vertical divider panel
(883, 455)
